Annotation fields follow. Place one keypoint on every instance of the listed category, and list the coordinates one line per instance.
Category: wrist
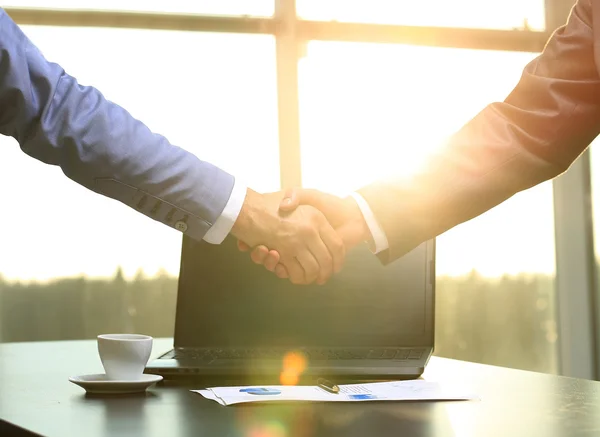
(375, 238)
(258, 218)
(355, 221)
(356, 217)
(246, 219)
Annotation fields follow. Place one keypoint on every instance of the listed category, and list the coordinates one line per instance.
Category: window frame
(577, 300)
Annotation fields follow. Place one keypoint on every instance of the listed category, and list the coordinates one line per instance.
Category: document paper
(413, 390)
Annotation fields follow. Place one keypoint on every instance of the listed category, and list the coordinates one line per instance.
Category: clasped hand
(301, 235)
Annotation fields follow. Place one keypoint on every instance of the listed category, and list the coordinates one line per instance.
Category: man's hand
(342, 213)
(307, 246)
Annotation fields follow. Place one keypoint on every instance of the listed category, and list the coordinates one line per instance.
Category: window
(205, 7)
(369, 110)
(491, 14)
(213, 94)
(595, 192)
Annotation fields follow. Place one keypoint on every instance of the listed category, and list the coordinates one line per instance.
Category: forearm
(534, 135)
(100, 145)
(451, 191)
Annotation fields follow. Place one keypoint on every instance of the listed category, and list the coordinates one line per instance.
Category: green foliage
(82, 308)
(508, 321)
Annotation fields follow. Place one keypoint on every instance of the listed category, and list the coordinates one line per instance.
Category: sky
(366, 111)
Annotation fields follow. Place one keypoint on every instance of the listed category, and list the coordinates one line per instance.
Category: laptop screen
(225, 300)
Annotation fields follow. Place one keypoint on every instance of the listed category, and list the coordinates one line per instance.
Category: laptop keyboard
(320, 354)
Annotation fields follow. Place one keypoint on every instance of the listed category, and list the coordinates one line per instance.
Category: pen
(328, 386)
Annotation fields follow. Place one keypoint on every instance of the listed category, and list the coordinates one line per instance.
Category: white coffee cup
(124, 356)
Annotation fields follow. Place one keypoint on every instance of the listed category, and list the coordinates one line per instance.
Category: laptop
(236, 319)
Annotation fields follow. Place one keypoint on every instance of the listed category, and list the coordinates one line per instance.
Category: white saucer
(99, 384)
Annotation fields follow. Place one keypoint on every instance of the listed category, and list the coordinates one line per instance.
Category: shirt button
(181, 226)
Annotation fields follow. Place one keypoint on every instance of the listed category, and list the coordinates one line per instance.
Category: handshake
(301, 235)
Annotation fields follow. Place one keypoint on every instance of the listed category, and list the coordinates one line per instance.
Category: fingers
(295, 270)
(307, 269)
(323, 260)
(323, 257)
(308, 248)
(272, 260)
(268, 258)
(243, 247)
(335, 246)
(290, 200)
(294, 197)
(311, 266)
(259, 254)
(316, 264)
(281, 271)
(327, 249)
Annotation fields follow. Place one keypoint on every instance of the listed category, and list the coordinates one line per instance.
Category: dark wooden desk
(37, 398)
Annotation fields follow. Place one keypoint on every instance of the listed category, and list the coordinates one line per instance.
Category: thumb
(293, 197)
(290, 200)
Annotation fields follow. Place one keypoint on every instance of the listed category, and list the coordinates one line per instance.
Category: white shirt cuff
(379, 237)
(222, 226)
